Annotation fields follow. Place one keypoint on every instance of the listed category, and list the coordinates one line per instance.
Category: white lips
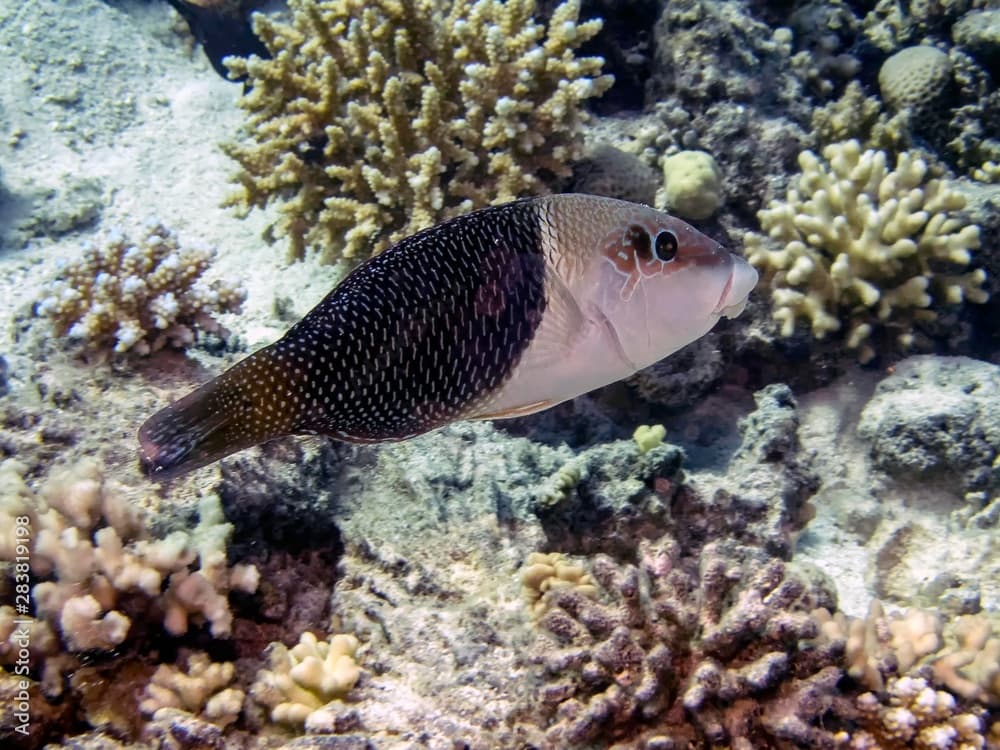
(742, 280)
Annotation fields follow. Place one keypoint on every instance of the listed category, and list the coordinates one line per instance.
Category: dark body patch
(422, 334)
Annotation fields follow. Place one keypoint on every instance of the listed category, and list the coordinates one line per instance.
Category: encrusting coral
(856, 245)
(90, 555)
(376, 119)
(305, 678)
(137, 296)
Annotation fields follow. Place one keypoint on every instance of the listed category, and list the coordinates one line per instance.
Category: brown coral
(700, 651)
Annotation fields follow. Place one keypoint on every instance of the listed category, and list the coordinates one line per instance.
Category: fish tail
(223, 416)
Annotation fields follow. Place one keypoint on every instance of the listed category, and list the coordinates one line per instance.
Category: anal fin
(518, 411)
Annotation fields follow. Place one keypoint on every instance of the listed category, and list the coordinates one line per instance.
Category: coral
(376, 119)
(988, 172)
(692, 184)
(686, 648)
(916, 79)
(917, 716)
(203, 688)
(862, 246)
(891, 24)
(970, 666)
(963, 656)
(878, 644)
(137, 296)
(304, 679)
(545, 573)
(90, 557)
(560, 485)
(648, 437)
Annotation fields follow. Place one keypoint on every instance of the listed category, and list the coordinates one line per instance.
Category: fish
(498, 313)
(223, 29)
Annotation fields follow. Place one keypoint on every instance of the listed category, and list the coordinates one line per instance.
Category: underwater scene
(499, 374)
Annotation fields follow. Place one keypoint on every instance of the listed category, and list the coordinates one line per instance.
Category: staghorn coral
(202, 689)
(376, 119)
(137, 296)
(861, 246)
(91, 559)
(697, 650)
(302, 680)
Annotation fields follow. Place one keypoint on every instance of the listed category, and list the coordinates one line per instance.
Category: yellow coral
(988, 172)
(376, 118)
(305, 678)
(547, 572)
(859, 243)
(203, 688)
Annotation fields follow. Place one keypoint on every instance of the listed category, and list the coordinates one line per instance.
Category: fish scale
(501, 312)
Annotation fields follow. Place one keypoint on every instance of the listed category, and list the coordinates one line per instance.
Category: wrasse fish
(498, 313)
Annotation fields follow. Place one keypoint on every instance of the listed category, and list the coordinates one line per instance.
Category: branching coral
(305, 678)
(203, 688)
(137, 296)
(683, 638)
(963, 657)
(89, 553)
(861, 245)
(917, 716)
(375, 119)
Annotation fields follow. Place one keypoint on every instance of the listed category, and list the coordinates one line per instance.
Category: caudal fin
(225, 415)
(184, 436)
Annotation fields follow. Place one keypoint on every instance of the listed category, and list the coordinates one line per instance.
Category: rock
(937, 418)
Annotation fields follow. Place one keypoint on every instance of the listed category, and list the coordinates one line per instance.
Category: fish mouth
(742, 279)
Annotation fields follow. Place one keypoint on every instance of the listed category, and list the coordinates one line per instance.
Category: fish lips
(742, 280)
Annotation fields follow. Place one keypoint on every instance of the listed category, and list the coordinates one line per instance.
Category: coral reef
(916, 716)
(137, 296)
(606, 170)
(374, 120)
(861, 247)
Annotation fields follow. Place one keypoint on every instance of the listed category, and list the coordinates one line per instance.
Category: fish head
(662, 284)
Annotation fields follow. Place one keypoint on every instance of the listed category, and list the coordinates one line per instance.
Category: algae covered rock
(937, 417)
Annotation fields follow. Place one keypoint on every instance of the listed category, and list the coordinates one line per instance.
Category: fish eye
(638, 238)
(666, 245)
